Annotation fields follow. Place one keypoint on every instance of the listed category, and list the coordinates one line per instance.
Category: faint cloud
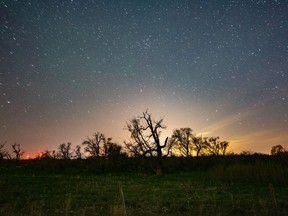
(228, 121)
(261, 140)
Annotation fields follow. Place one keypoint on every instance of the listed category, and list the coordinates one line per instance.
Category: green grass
(186, 193)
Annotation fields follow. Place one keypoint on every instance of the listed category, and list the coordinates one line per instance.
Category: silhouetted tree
(97, 146)
(183, 139)
(198, 145)
(46, 154)
(78, 153)
(16, 149)
(3, 153)
(277, 150)
(92, 145)
(145, 138)
(170, 147)
(186, 143)
(213, 146)
(107, 142)
(64, 151)
(247, 153)
(113, 150)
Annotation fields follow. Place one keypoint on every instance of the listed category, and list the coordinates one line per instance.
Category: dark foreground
(216, 191)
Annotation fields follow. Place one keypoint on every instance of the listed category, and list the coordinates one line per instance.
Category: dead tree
(145, 138)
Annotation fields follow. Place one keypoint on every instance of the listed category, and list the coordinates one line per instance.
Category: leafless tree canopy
(145, 136)
(187, 144)
(17, 151)
(144, 141)
(183, 140)
(214, 146)
(100, 146)
(64, 151)
(198, 145)
(92, 145)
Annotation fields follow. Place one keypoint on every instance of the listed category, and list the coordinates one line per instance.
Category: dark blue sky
(71, 68)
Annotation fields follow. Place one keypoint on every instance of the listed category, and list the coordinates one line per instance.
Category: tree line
(144, 142)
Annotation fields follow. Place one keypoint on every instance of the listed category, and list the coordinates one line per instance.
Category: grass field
(185, 193)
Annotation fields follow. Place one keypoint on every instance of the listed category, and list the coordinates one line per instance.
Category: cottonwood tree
(183, 141)
(198, 145)
(99, 146)
(64, 151)
(145, 138)
(16, 149)
(186, 143)
(92, 145)
(214, 146)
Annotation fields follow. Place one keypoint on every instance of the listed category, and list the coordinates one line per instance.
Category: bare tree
(186, 143)
(16, 149)
(78, 153)
(92, 145)
(145, 136)
(3, 153)
(197, 145)
(64, 151)
(213, 146)
(183, 139)
(98, 145)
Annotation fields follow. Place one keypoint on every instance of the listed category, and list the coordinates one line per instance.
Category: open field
(26, 191)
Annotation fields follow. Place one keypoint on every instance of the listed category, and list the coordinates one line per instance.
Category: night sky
(73, 67)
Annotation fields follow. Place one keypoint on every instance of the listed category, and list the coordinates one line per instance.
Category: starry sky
(69, 68)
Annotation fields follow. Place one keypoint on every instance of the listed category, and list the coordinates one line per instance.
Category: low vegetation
(220, 185)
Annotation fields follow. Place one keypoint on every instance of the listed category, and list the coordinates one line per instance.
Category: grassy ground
(186, 193)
